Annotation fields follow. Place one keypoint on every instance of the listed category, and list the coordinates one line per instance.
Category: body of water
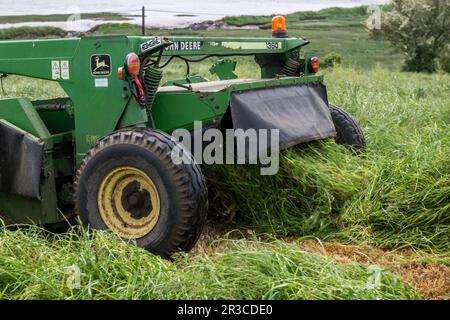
(169, 13)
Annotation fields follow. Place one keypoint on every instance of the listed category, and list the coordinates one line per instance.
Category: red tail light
(314, 65)
(133, 64)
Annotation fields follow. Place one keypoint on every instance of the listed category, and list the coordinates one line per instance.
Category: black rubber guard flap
(300, 113)
(20, 162)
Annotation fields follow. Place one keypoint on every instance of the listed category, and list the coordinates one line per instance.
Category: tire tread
(192, 196)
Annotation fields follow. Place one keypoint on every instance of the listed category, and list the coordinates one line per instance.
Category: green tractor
(103, 152)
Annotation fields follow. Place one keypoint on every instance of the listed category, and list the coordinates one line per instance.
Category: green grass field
(389, 207)
(395, 196)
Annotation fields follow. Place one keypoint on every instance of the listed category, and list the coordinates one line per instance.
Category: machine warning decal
(60, 70)
(56, 70)
(65, 73)
(101, 65)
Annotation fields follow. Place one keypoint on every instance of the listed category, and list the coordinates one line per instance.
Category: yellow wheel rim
(129, 203)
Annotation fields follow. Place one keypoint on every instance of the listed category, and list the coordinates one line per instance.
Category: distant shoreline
(94, 19)
(103, 24)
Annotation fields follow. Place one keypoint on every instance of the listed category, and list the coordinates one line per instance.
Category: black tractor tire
(181, 192)
(349, 133)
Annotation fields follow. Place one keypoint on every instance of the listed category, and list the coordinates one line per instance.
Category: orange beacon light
(279, 29)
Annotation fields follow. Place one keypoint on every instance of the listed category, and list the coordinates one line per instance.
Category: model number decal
(151, 44)
(273, 45)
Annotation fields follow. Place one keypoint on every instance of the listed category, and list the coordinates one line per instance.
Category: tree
(420, 28)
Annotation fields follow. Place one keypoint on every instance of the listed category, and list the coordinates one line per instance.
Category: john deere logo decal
(101, 65)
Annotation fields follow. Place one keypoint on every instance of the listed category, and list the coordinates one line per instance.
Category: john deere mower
(103, 152)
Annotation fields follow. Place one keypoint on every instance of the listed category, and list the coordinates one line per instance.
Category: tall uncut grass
(396, 194)
(33, 266)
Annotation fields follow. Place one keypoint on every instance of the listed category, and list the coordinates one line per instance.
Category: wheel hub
(137, 201)
(128, 202)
